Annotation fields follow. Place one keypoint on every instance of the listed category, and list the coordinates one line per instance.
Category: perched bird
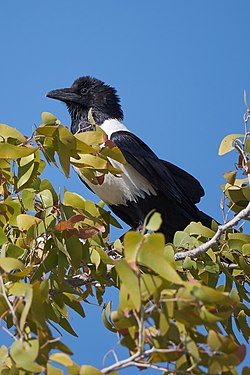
(147, 182)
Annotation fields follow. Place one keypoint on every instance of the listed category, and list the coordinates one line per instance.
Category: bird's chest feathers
(128, 186)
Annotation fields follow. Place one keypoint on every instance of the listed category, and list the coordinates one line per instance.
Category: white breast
(129, 186)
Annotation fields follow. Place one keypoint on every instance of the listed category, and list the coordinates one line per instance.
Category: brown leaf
(100, 179)
(69, 224)
(240, 162)
(230, 177)
(76, 218)
(86, 233)
(109, 144)
(123, 331)
(64, 225)
(247, 171)
(240, 352)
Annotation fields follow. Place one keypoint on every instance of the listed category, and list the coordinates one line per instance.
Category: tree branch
(222, 228)
(134, 359)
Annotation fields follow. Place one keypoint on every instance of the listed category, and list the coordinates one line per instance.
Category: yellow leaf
(9, 151)
(227, 143)
(24, 221)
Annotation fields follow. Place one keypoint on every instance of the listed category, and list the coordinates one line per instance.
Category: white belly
(129, 186)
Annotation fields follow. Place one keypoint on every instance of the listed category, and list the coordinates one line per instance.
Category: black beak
(64, 95)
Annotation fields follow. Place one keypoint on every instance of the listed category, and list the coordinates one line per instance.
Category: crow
(147, 182)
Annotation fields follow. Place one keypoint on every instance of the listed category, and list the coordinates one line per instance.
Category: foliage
(180, 317)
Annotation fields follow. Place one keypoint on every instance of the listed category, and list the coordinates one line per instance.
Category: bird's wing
(143, 159)
(188, 183)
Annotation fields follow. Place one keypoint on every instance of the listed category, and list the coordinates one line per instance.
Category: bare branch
(134, 360)
(222, 228)
(11, 309)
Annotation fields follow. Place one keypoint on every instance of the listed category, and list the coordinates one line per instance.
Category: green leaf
(248, 146)
(25, 353)
(130, 281)
(48, 131)
(152, 255)
(72, 302)
(7, 131)
(92, 138)
(25, 221)
(28, 197)
(48, 118)
(230, 177)
(220, 343)
(243, 324)
(211, 296)
(106, 317)
(149, 285)
(14, 251)
(90, 161)
(11, 264)
(4, 308)
(192, 349)
(246, 249)
(25, 290)
(3, 353)
(89, 370)
(46, 185)
(199, 229)
(74, 248)
(51, 370)
(235, 194)
(113, 152)
(62, 359)
(246, 371)
(46, 198)
(132, 243)
(154, 222)
(226, 144)
(183, 240)
(3, 237)
(28, 169)
(65, 325)
(9, 151)
(74, 200)
(240, 236)
(189, 264)
(207, 316)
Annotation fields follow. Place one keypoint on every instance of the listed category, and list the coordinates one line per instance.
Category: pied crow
(147, 182)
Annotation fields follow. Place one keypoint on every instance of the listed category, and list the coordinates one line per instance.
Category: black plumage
(147, 182)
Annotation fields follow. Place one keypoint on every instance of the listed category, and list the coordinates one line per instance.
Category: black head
(85, 93)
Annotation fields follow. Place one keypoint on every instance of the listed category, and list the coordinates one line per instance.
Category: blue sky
(180, 68)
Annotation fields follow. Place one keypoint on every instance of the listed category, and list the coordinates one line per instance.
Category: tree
(180, 304)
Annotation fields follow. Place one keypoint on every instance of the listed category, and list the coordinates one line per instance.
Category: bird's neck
(80, 121)
(111, 126)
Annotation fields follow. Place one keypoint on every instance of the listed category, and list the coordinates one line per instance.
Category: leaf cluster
(180, 317)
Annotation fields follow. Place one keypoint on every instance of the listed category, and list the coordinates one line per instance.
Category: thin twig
(8, 332)
(112, 351)
(134, 359)
(12, 311)
(230, 265)
(222, 228)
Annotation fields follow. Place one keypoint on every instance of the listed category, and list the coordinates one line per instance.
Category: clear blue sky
(180, 68)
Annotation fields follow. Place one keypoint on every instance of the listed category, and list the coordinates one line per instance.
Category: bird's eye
(84, 91)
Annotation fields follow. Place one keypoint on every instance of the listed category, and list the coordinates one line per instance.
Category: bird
(147, 182)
